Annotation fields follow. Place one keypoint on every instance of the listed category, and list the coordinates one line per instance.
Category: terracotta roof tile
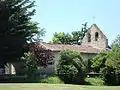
(78, 48)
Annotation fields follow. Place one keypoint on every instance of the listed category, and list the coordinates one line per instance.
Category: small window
(96, 36)
(89, 37)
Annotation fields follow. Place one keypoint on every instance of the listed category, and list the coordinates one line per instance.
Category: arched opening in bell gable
(96, 36)
(89, 37)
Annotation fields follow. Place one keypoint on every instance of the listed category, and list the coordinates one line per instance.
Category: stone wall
(16, 67)
(88, 56)
(100, 43)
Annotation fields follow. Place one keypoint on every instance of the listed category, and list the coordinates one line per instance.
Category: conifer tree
(16, 28)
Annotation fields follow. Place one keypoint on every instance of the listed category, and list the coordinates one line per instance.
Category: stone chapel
(93, 43)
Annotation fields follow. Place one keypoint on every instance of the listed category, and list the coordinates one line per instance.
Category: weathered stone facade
(95, 38)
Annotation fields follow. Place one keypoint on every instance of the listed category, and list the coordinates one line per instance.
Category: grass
(95, 81)
(52, 80)
(41, 86)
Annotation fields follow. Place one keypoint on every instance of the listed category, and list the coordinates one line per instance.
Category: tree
(113, 66)
(30, 64)
(116, 42)
(36, 57)
(16, 28)
(42, 56)
(108, 63)
(98, 62)
(37, 36)
(70, 67)
(62, 38)
(84, 30)
(74, 38)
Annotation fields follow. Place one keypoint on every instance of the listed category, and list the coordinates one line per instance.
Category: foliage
(112, 69)
(37, 36)
(95, 81)
(98, 62)
(16, 28)
(38, 56)
(70, 67)
(62, 38)
(116, 42)
(113, 60)
(43, 56)
(109, 64)
(20, 79)
(52, 80)
(30, 63)
(74, 38)
(84, 30)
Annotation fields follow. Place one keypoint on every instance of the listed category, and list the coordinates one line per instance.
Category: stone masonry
(95, 38)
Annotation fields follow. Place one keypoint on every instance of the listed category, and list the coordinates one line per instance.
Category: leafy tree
(37, 56)
(84, 30)
(113, 66)
(43, 56)
(30, 63)
(37, 36)
(62, 38)
(116, 42)
(16, 28)
(79, 35)
(98, 62)
(108, 63)
(74, 38)
(70, 67)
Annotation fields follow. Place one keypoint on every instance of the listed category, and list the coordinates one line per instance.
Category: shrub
(43, 56)
(95, 81)
(109, 76)
(109, 64)
(52, 80)
(30, 64)
(98, 62)
(70, 67)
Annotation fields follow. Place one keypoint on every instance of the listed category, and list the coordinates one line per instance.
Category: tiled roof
(78, 48)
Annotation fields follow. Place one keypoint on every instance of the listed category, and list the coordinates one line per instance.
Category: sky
(68, 15)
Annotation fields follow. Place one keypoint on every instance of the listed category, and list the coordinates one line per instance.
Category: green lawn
(36, 86)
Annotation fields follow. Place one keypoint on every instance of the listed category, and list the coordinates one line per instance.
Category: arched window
(89, 37)
(96, 36)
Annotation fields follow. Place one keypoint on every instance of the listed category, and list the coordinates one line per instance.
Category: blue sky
(68, 15)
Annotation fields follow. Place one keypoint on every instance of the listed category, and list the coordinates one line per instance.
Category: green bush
(110, 76)
(112, 70)
(52, 80)
(98, 62)
(108, 63)
(70, 67)
(30, 63)
(95, 81)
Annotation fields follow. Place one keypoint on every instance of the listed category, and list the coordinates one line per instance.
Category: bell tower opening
(96, 36)
(89, 37)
